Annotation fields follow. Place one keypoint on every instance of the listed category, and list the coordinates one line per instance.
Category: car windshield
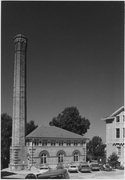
(44, 168)
(107, 165)
(73, 166)
(95, 165)
(86, 166)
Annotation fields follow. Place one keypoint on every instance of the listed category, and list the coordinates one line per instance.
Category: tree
(113, 160)
(96, 148)
(30, 126)
(70, 119)
(6, 133)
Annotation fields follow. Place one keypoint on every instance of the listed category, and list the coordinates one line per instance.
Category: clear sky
(74, 58)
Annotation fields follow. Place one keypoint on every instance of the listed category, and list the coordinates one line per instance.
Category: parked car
(59, 166)
(101, 166)
(44, 168)
(84, 168)
(107, 167)
(73, 168)
(121, 167)
(34, 170)
(54, 174)
(95, 166)
(51, 174)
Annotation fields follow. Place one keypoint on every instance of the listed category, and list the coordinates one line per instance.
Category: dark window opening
(117, 133)
(117, 119)
(60, 157)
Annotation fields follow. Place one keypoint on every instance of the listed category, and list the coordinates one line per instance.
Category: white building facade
(115, 134)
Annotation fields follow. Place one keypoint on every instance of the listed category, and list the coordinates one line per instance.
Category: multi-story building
(115, 134)
(51, 145)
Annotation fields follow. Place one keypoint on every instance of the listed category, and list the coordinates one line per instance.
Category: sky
(75, 57)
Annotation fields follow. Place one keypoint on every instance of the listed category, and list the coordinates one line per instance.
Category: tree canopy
(96, 148)
(30, 126)
(70, 119)
(6, 133)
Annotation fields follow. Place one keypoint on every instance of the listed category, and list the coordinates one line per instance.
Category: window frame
(43, 158)
(60, 158)
(117, 132)
(76, 157)
(123, 132)
(117, 118)
(119, 150)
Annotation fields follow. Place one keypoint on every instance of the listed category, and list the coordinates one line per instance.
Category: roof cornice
(112, 116)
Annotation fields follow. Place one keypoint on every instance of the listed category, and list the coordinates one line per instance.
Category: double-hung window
(117, 118)
(117, 132)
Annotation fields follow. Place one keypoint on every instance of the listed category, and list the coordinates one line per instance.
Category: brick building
(115, 134)
(52, 145)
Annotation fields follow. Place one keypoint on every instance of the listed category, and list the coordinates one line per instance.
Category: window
(60, 157)
(117, 118)
(82, 142)
(75, 143)
(60, 143)
(123, 132)
(53, 143)
(36, 143)
(43, 158)
(123, 117)
(119, 150)
(68, 143)
(117, 133)
(76, 156)
(44, 143)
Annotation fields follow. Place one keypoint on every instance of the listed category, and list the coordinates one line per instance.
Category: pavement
(116, 174)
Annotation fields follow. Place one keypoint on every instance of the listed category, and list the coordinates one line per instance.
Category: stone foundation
(18, 158)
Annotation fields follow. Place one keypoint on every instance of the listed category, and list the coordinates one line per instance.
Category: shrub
(113, 160)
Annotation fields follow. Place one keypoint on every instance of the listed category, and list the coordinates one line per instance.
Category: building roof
(121, 109)
(53, 132)
(112, 116)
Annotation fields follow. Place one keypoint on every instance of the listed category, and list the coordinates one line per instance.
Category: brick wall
(34, 153)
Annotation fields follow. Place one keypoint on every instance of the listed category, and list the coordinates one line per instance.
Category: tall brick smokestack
(18, 149)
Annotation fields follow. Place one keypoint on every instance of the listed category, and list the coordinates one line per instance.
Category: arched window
(76, 156)
(43, 158)
(43, 155)
(60, 157)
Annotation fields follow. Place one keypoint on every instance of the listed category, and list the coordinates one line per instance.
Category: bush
(113, 160)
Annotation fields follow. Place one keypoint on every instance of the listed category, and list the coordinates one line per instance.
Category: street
(116, 174)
